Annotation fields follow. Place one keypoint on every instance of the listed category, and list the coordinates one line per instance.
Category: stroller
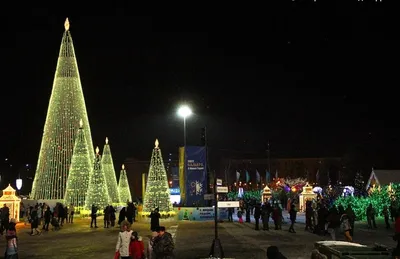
(55, 224)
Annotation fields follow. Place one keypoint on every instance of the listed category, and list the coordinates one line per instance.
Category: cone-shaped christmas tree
(66, 108)
(97, 192)
(123, 187)
(109, 173)
(157, 190)
(80, 171)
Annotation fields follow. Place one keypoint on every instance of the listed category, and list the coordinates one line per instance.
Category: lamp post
(184, 111)
(18, 183)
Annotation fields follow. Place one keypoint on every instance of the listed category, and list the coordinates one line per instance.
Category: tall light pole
(184, 111)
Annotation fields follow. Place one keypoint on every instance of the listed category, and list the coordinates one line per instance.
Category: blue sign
(174, 191)
(196, 175)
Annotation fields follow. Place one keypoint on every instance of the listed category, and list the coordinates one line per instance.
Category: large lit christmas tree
(123, 187)
(80, 171)
(97, 192)
(66, 108)
(157, 190)
(109, 173)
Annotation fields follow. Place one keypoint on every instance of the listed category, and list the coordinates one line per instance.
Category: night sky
(313, 80)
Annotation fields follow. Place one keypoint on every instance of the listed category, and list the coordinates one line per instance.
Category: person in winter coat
(136, 248)
(309, 216)
(154, 220)
(352, 218)
(277, 217)
(112, 215)
(35, 222)
(124, 240)
(240, 216)
(11, 238)
(257, 215)
(122, 215)
(346, 227)
(164, 245)
(333, 220)
(293, 216)
(371, 216)
(47, 219)
(265, 214)
(151, 244)
(385, 213)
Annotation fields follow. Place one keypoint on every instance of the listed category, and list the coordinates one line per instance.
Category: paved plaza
(193, 240)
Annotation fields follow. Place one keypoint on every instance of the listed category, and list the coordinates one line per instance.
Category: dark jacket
(164, 247)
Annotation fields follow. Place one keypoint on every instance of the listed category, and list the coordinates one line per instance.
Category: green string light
(81, 169)
(123, 187)
(66, 108)
(109, 173)
(157, 193)
(97, 192)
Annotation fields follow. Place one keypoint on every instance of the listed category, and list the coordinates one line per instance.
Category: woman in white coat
(124, 239)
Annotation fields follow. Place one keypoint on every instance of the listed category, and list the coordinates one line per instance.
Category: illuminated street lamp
(184, 111)
(19, 183)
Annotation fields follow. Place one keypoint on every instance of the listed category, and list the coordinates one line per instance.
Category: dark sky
(314, 80)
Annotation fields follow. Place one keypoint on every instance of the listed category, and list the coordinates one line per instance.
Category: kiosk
(306, 195)
(11, 201)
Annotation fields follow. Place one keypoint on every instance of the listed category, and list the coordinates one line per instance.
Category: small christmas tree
(123, 187)
(80, 171)
(109, 173)
(97, 192)
(157, 190)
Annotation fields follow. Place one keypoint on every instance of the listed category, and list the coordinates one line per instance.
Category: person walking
(71, 213)
(164, 244)
(93, 215)
(257, 215)
(293, 215)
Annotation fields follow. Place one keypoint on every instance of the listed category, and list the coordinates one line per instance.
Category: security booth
(12, 201)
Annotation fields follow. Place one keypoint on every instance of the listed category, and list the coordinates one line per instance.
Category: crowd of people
(130, 245)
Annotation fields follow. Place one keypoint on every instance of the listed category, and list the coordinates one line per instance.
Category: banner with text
(196, 175)
(200, 214)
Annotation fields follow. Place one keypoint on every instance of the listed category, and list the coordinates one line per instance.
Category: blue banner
(196, 175)
(175, 176)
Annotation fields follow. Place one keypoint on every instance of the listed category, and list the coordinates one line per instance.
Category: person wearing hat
(154, 219)
(164, 245)
(137, 246)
